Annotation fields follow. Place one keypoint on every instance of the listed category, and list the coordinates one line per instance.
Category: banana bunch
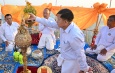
(18, 57)
(21, 59)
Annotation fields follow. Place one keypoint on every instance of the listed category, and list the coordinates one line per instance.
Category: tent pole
(110, 3)
(56, 2)
(4, 2)
(102, 15)
(97, 22)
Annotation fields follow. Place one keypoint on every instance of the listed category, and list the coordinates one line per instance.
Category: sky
(83, 3)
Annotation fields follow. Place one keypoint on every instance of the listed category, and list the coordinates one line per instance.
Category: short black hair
(8, 15)
(66, 14)
(112, 16)
(47, 9)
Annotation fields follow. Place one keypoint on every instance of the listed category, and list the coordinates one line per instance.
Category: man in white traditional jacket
(72, 57)
(113, 71)
(0, 27)
(48, 38)
(105, 41)
(8, 32)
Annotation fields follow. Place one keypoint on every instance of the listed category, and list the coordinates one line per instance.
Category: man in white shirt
(72, 57)
(8, 32)
(0, 27)
(113, 71)
(105, 41)
(48, 38)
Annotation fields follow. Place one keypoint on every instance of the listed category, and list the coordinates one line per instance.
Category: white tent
(84, 3)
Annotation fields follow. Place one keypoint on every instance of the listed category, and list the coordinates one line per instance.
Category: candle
(43, 70)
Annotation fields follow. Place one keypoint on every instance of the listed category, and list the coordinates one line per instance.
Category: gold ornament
(23, 38)
(23, 41)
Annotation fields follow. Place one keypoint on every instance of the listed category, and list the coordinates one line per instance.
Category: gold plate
(48, 69)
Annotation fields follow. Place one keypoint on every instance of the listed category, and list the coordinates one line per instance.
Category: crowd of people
(72, 55)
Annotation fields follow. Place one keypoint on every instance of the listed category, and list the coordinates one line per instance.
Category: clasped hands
(102, 52)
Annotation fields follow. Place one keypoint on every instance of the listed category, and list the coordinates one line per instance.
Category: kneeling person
(105, 41)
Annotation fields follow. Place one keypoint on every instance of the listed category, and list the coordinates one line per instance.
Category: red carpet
(32, 68)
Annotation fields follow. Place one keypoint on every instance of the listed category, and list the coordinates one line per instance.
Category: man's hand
(89, 71)
(7, 43)
(32, 17)
(103, 51)
(94, 47)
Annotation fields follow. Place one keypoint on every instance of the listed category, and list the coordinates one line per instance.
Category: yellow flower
(26, 16)
(28, 3)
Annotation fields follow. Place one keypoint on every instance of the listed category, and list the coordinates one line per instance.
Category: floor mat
(97, 67)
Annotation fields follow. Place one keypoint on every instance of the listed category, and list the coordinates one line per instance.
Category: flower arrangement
(28, 9)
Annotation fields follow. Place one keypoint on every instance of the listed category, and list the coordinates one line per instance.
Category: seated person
(48, 38)
(105, 41)
(8, 32)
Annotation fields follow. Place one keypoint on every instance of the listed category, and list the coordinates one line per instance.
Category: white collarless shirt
(8, 32)
(106, 37)
(46, 29)
(71, 42)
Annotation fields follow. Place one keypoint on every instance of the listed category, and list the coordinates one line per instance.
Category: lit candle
(43, 70)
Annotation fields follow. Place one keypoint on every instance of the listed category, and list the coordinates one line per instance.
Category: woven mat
(52, 63)
(8, 65)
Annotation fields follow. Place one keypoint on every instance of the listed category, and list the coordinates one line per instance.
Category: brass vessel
(23, 41)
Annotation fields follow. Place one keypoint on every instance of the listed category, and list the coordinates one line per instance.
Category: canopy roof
(83, 17)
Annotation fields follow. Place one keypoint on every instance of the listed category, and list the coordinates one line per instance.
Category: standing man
(72, 57)
(48, 38)
(105, 41)
(8, 32)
